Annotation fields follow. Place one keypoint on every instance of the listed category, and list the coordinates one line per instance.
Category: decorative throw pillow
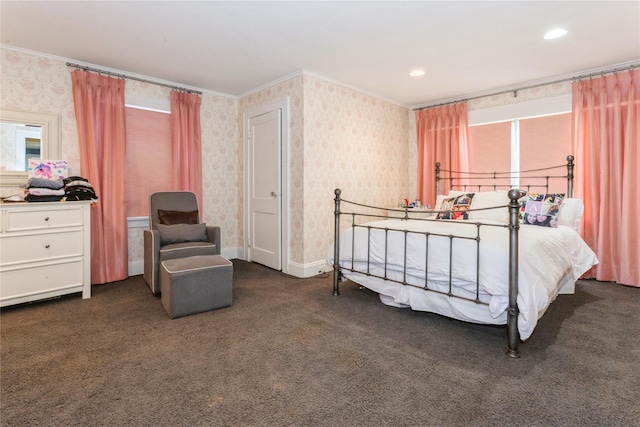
(179, 233)
(457, 207)
(177, 217)
(541, 209)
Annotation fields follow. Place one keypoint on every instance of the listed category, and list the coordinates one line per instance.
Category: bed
(486, 254)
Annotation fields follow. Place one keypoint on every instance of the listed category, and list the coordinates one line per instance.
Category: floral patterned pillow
(541, 209)
(457, 207)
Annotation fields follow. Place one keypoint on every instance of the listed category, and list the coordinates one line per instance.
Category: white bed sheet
(548, 259)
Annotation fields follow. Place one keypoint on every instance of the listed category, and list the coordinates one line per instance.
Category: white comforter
(548, 258)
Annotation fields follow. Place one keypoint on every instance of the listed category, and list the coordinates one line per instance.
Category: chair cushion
(178, 233)
(177, 217)
(186, 249)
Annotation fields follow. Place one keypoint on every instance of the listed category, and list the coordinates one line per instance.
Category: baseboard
(229, 253)
(136, 268)
(295, 269)
(308, 270)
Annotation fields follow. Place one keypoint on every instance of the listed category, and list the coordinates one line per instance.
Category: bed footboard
(513, 335)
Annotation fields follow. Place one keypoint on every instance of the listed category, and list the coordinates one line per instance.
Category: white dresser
(45, 250)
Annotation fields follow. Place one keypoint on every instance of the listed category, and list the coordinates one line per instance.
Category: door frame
(283, 106)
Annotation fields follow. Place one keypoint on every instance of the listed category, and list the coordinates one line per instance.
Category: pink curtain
(186, 144)
(606, 121)
(99, 106)
(442, 137)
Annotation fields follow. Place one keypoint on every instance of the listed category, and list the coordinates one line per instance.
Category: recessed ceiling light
(416, 73)
(554, 34)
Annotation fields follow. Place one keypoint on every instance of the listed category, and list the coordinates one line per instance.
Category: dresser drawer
(51, 278)
(38, 247)
(45, 250)
(39, 218)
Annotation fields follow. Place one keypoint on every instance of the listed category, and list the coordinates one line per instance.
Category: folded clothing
(54, 184)
(80, 193)
(77, 183)
(68, 180)
(45, 191)
(34, 198)
(53, 190)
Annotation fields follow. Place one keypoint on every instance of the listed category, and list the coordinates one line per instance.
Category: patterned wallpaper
(221, 154)
(354, 142)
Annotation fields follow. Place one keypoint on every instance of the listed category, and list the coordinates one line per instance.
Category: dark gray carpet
(289, 353)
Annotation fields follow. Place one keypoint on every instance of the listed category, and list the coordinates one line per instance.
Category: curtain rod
(123, 76)
(515, 91)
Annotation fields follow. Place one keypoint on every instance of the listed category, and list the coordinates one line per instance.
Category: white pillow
(439, 199)
(570, 213)
(490, 199)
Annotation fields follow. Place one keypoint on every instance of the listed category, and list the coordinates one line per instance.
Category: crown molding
(321, 77)
(532, 83)
(113, 70)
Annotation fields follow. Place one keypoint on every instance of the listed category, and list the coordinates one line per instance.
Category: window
(518, 137)
(148, 158)
(490, 151)
(546, 141)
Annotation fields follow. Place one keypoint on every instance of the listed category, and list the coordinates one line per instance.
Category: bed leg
(336, 245)
(513, 336)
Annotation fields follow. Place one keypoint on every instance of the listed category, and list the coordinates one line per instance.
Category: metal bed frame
(457, 179)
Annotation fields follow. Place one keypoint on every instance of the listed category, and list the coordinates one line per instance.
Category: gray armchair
(175, 231)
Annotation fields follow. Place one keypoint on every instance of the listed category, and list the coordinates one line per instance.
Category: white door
(265, 189)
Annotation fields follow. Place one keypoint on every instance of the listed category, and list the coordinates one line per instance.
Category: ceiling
(233, 47)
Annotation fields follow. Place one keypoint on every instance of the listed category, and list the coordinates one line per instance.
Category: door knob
(274, 194)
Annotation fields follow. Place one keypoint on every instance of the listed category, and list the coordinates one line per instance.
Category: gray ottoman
(195, 284)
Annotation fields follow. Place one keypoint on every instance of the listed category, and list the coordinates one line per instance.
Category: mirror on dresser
(26, 135)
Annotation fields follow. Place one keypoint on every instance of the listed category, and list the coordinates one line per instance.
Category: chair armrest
(213, 232)
(151, 239)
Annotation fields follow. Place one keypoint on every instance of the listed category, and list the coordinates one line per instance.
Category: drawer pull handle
(47, 246)
(46, 218)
